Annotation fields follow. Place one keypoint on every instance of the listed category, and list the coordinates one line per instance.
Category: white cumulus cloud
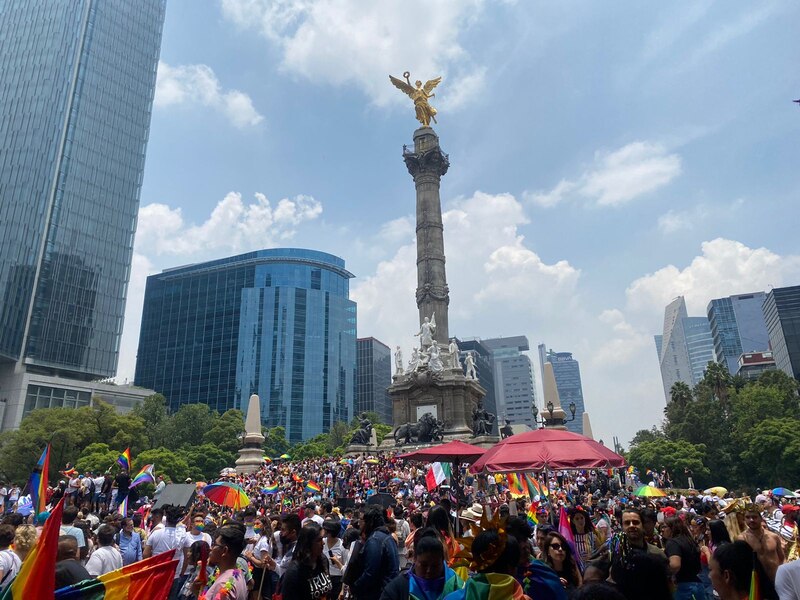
(198, 84)
(350, 42)
(724, 267)
(617, 177)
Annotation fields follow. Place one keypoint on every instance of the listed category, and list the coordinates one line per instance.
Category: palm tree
(718, 379)
(680, 393)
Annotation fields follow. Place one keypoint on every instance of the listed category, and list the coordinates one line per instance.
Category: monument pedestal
(448, 396)
(251, 454)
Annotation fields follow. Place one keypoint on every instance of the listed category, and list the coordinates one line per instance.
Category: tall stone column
(427, 163)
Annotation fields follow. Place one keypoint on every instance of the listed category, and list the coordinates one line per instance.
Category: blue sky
(605, 158)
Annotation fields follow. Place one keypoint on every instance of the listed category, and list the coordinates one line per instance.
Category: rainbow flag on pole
(312, 487)
(37, 575)
(37, 484)
(270, 489)
(124, 459)
(123, 507)
(150, 578)
(144, 476)
(535, 487)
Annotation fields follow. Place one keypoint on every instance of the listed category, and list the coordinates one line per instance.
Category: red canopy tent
(455, 451)
(546, 448)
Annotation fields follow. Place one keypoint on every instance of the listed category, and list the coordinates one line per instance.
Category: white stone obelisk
(558, 417)
(251, 454)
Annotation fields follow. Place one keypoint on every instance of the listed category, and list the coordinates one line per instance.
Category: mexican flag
(437, 473)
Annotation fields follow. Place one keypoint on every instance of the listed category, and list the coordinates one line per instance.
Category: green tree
(153, 411)
(680, 393)
(339, 435)
(772, 451)
(717, 378)
(275, 442)
(672, 455)
(206, 461)
(647, 435)
(381, 431)
(225, 430)
(189, 425)
(97, 458)
(168, 462)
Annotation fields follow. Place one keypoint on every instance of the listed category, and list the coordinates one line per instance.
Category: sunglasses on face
(556, 547)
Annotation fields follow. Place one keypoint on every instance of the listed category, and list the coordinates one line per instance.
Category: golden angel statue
(420, 95)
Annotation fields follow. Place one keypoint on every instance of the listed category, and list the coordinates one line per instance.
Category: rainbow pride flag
(312, 487)
(270, 489)
(297, 478)
(535, 488)
(37, 575)
(124, 459)
(566, 531)
(150, 578)
(144, 476)
(516, 485)
(123, 507)
(37, 484)
(533, 519)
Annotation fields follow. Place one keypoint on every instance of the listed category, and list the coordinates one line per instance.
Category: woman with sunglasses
(557, 553)
(306, 577)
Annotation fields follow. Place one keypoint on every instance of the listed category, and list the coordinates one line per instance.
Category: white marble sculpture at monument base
(251, 454)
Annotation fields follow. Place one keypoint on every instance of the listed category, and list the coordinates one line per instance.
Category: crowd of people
(370, 528)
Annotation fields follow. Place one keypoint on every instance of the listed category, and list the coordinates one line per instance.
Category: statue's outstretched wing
(428, 87)
(402, 86)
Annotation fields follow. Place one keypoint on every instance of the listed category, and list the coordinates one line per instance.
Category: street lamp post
(552, 422)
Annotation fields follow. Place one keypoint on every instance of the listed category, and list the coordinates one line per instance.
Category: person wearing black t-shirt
(123, 481)
(684, 559)
(306, 577)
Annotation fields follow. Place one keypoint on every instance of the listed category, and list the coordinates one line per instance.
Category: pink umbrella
(546, 448)
(455, 451)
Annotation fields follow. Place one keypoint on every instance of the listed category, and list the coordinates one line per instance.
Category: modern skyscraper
(567, 373)
(782, 314)
(484, 368)
(373, 378)
(277, 323)
(685, 348)
(514, 388)
(737, 326)
(76, 93)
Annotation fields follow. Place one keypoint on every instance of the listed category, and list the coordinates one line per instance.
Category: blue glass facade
(76, 92)
(567, 372)
(782, 315)
(737, 326)
(374, 376)
(277, 323)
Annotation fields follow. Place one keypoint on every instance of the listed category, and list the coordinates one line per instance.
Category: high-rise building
(782, 314)
(737, 326)
(684, 348)
(76, 94)
(278, 323)
(752, 364)
(514, 388)
(373, 378)
(567, 372)
(484, 369)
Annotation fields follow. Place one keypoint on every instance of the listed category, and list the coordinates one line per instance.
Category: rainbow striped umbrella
(648, 491)
(267, 459)
(225, 493)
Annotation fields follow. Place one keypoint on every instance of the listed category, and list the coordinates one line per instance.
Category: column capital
(432, 162)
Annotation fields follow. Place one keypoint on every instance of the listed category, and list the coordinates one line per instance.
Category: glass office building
(514, 386)
(567, 372)
(484, 369)
(685, 347)
(76, 93)
(373, 378)
(782, 315)
(737, 326)
(277, 323)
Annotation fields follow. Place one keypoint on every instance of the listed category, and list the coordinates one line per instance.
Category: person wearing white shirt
(196, 534)
(106, 558)
(9, 561)
(3, 494)
(168, 538)
(787, 581)
(311, 515)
